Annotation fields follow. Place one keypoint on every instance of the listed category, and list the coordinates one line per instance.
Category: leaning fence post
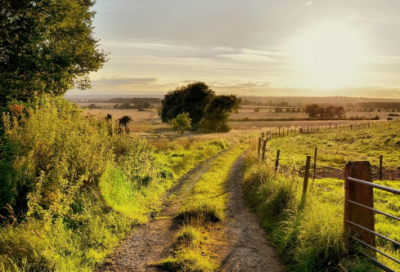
(380, 167)
(362, 194)
(306, 174)
(315, 163)
(277, 160)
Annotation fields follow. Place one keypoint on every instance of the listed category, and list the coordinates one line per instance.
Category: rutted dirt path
(243, 248)
(153, 241)
(247, 247)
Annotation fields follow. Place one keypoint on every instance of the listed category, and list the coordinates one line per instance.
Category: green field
(310, 234)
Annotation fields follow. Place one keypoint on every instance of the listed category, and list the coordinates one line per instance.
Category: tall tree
(192, 99)
(312, 110)
(46, 46)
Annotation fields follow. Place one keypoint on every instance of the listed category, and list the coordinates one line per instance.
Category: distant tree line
(379, 105)
(315, 110)
(269, 103)
(206, 110)
(140, 106)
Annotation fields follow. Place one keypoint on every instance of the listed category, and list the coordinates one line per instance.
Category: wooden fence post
(362, 194)
(380, 167)
(259, 148)
(263, 149)
(277, 160)
(315, 163)
(306, 174)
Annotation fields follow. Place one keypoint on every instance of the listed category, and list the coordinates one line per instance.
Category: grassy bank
(200, 213)
(73, 186)
(308, 233)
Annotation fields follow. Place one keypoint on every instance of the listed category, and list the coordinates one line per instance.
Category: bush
(181, 123)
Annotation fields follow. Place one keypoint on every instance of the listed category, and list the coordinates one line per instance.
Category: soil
(244, 246)
(247, 248)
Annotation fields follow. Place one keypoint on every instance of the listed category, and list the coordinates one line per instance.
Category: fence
(359, 211)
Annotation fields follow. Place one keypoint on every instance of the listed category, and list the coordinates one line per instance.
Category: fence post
(361, 194)
(380, 167)
(315, 163)
(263, 149)
(277, 160)
(306, 174)
(259, 148)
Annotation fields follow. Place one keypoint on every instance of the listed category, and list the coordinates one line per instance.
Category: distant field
(270, 114)
(103, 105)
(149, 121)
(142, 120)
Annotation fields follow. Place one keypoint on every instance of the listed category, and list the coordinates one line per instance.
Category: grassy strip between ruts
(196, 240)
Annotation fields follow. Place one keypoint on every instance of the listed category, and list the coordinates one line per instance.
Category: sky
(249, 47)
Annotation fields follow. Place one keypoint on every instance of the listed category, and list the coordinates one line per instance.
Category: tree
(256, 109)
(312, 110)
(181, 123)
(218, 112)
(93, 106)
(340, 112)
(146, 105)
(46, 46)
(124, 121)
(278, 110)
(192, 99)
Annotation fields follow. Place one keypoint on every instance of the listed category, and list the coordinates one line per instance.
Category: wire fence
(359, 212)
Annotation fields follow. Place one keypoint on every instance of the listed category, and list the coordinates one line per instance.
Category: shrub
(181, 123)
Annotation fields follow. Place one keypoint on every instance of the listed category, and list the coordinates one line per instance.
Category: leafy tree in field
(218, 111)
(124, 121)
(278, 110)
(192, 99)
(340, 112)
(93, 106)
(256, 109)
(46, 46)
(146, 105)
(181, 123)
(312, 110)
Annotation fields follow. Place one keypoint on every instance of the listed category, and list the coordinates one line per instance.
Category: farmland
(148, 121)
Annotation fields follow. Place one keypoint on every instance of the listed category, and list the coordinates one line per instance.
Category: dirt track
(244, 247)
(153, 242)
(247, 248)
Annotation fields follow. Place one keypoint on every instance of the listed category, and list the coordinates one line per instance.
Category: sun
(330, 54)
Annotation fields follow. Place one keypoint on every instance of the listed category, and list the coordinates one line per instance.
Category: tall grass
(74, 187)
(307, 232)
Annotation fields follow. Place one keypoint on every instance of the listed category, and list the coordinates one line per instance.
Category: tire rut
(247, 249)
(154, 241)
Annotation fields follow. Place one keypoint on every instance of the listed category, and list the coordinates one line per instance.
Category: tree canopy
(46, 46)
(315, 110)
(206, 110)
(218, 111)
(192, 99)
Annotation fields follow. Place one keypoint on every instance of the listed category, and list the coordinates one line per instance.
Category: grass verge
(308, 233)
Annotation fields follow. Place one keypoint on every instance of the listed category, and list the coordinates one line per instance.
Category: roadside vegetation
(200, 213)
(308, 233)
(73, 186)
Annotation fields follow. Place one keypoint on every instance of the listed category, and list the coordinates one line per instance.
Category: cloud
(115, 81)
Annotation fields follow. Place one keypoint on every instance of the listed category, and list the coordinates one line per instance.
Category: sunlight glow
(330, 54)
